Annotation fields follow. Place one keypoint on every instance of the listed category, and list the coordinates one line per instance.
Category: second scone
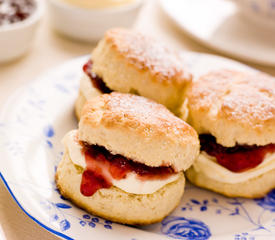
(126, 160)
(131, 62)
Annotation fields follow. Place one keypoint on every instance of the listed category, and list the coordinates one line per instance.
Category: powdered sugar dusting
(244, 97)
(148, 53)
(143, 115)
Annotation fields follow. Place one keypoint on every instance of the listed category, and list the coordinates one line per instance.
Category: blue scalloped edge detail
(30, 216)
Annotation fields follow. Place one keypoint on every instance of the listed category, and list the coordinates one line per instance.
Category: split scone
(130, 62)
(234, 114)
(126, 160)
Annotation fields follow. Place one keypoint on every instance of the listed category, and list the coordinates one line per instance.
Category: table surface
(50, 49)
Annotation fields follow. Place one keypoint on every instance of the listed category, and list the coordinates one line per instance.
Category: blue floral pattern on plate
(31, 127)
(186, 229)
(267, 202)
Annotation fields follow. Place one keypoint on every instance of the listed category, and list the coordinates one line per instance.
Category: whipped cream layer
(208, 166)
(130, 184)
(87, 89)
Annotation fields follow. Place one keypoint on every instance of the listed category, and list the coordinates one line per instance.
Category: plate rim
(3, 112)
(54, 232)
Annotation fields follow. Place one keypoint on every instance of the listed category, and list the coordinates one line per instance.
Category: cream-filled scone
(125, 162)
(130, 62)
(234, 114)
(90, 86)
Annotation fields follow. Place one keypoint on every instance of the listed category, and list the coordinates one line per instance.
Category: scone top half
(139, 129)
(234, 114)
(235, 107)
(130, 62)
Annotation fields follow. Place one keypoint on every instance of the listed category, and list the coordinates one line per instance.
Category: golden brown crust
(144, 116)
(254, 188)
(145, 53)
(115, 204)
(129, 62)
(140, 129)
(235, 107)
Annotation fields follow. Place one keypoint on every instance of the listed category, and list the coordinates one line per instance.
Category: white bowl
(90, 24)
(16, 38)
(259, 12)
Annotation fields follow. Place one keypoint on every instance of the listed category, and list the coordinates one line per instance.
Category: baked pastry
(130, 62)
(126, 160)
(234, 114)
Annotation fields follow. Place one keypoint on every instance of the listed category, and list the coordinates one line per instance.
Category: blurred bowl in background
(90, 24)
(16, 38)
(259, 12)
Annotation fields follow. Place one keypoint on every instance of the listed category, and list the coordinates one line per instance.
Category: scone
(130, 62)
(234, 114)
(125, 162)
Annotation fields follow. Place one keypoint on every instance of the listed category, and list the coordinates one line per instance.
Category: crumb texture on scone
(235, 107)
(115, 204)
(253, 188)
(131, 62)
(139, 129)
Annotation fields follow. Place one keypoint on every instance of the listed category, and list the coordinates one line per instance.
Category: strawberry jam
(96, 80)
(236, 159)
(91, 182)
(102, 167)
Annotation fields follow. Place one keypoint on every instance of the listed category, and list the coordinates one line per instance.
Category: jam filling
(12, 11)
(96, 80)
(102, 166)
(239, 158)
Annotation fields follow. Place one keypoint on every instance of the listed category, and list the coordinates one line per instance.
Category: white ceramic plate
(31, 126)
(217, 24)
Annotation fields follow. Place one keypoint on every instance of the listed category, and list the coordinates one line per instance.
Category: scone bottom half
(115, 168)
(115, 204)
